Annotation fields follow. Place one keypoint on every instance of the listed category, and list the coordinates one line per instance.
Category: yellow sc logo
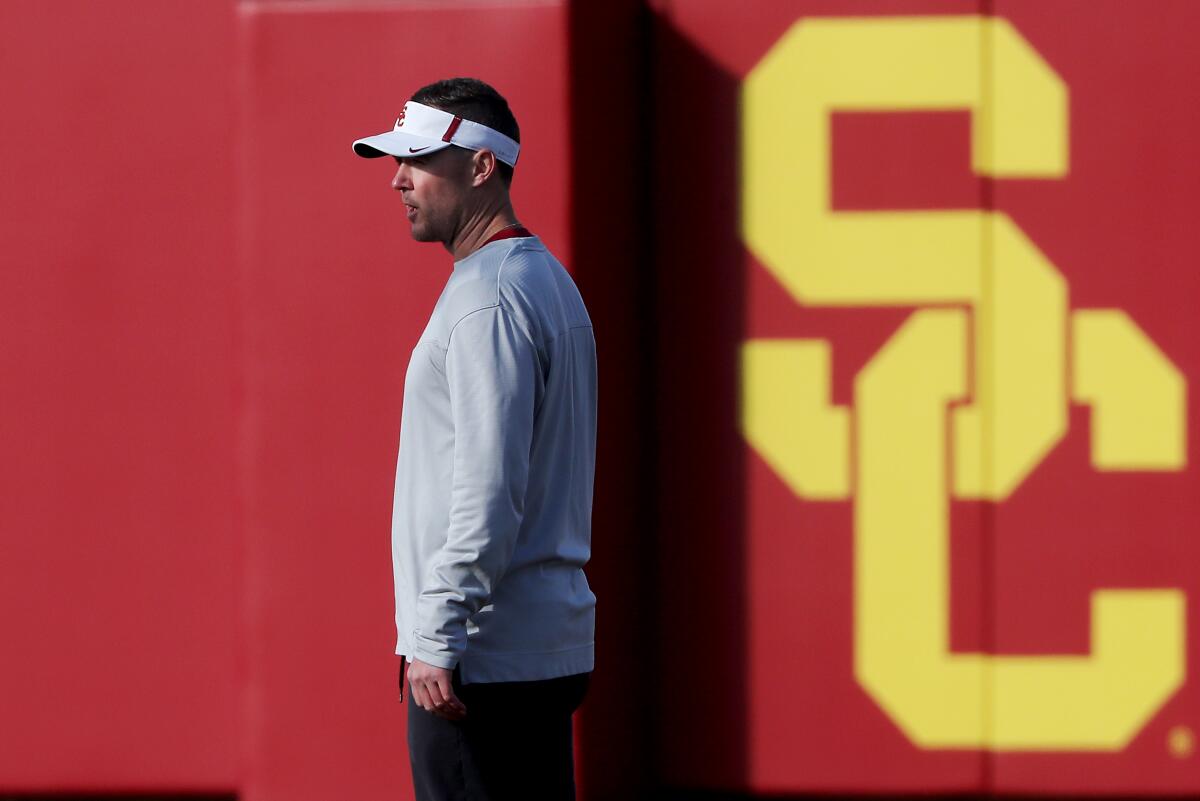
(994, 288)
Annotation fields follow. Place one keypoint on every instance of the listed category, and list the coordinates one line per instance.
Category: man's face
(434, 189)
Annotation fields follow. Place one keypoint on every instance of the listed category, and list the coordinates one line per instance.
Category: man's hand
(430, 687)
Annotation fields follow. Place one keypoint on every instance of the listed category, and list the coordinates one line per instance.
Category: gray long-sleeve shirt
(491, 519)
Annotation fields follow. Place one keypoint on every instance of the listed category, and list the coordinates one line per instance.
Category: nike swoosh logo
(419, 149)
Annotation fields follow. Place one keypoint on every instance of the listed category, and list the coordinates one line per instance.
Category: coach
(491, 520)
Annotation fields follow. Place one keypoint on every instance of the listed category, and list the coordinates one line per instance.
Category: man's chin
(422, 233)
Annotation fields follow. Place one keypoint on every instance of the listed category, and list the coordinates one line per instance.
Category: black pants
(514, 744)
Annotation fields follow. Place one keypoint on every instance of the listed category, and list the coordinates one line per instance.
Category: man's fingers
(418, 695)
(438, 704)
(432, 689)
(432, 698)
(452, 703)
(437, 692)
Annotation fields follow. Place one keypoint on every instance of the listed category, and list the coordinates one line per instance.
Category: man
(491, 521)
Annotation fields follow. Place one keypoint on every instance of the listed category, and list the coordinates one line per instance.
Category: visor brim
(396, 143)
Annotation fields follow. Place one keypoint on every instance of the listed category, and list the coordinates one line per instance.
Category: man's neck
(479, 228)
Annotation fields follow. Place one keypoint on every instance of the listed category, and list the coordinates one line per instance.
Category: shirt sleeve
(494, 379)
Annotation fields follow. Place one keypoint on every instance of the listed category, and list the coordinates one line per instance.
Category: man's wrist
(443, 661)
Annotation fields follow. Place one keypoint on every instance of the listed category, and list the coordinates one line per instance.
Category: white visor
(423, 129)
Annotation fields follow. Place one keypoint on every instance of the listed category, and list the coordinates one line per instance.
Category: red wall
(758, 618)
(209, 307)
(118, 570)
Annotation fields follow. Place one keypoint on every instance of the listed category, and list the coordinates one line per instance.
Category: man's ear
(483, 166)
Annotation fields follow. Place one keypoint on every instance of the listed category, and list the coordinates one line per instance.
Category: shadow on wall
(658, 259)
(697, 266)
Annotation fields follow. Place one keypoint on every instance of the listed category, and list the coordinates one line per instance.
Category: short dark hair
(474, 100)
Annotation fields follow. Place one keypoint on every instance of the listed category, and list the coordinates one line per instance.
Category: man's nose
(400, 179)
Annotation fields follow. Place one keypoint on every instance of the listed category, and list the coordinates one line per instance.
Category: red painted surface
(1121, 230)
(772, 574)
(118, 563)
